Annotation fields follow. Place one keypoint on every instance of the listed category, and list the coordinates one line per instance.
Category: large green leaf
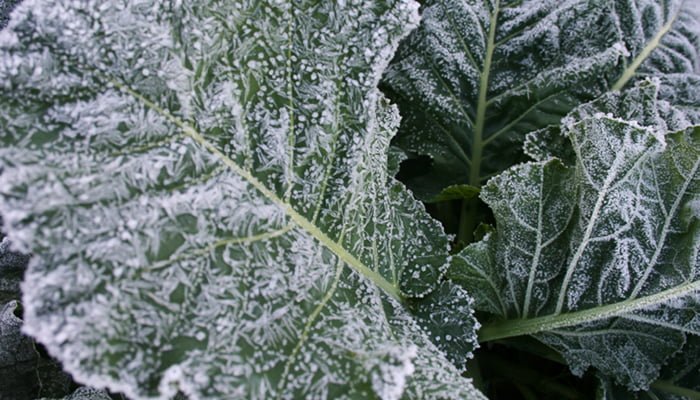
(478, 75)
(204, 187)
(598, 260)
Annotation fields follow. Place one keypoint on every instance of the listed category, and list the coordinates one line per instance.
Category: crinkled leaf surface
(598, 260)
(17, 354)
(204, 186)
(84, 393)
(12, 267)
(477, 75)
(551, 142)
(680, 379)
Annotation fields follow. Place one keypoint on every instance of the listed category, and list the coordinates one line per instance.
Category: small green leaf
(455, 192)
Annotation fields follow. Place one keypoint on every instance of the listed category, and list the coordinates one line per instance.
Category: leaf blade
(212, 181)
(546, 59)
(626, 217)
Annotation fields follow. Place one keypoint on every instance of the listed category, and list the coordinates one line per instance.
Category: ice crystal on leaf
(678, 379)
(599, 259)
(478, 75)
(204, 188)
(17, 353)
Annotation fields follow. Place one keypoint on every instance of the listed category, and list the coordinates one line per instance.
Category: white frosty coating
(682, 371)
(470, 112)
(204, 187)
(611, 236)
(16, 350)
(87, 393)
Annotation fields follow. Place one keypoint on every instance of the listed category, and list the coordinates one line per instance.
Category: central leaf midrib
(605, 190)
(665, 229)
(482, 104)
(310, 322)
(518, 327)
(653, 43)
(538, 249)
(299, 219)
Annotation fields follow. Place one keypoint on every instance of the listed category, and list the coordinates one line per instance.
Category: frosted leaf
(599, 259)
(204, 187)
(12, 266)
(477, 75)
(85, 393)
(17, 354)
(549, 142)
(442, 314)
(395, 157)
(679, 380)
(552, 142)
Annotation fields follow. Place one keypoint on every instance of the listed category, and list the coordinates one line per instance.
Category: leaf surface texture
(478, 75)
(204, 187)
(599, 259)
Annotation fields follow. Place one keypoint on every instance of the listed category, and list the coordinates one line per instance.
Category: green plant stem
(482, 105)
(467, 220)
(669, 387)
(518, 327)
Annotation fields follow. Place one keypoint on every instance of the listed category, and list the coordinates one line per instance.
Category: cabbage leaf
(599, 260)
(478, 75)
(204, 188)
